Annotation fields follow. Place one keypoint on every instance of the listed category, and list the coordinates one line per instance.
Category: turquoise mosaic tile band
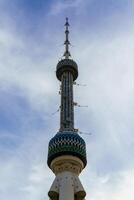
(67, 143)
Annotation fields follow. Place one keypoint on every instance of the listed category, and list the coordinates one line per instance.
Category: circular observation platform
(67, 143)
(67, 65)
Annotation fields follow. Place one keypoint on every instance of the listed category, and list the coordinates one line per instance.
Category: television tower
(67, 150)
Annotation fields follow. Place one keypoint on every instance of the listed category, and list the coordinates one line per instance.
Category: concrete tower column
(67, 185)
(66, 190)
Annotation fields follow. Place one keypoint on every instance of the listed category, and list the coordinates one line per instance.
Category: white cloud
(107, 69)
(60, 6)
(105, 188)
(24, 173)
(20, 69)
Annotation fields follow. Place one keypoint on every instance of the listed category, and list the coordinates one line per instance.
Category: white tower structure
(67, 150)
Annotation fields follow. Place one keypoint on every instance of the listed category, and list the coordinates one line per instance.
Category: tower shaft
(67, 107)
(67, 150)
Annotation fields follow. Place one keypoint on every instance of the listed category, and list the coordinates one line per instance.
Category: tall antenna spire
(67, 43)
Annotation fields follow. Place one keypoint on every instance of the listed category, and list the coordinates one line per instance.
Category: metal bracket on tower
(78, 84)
(76, 104)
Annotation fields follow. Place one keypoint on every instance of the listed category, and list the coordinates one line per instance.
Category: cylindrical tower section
(67, 73)
(66, 191)
(67, 107)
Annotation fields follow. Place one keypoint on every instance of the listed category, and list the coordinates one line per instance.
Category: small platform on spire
(67, 23)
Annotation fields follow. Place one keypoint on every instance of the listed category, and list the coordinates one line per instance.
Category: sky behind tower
(31, 44)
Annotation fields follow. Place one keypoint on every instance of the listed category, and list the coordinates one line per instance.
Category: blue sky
(31, 43)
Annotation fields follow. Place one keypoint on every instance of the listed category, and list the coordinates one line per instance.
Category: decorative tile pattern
(67, 143)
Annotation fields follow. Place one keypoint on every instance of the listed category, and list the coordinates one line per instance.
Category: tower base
(67, 185)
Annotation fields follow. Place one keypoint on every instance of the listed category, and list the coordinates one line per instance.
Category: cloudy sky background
(31, 43)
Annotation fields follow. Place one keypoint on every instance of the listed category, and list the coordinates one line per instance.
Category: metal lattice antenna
(67, 43)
